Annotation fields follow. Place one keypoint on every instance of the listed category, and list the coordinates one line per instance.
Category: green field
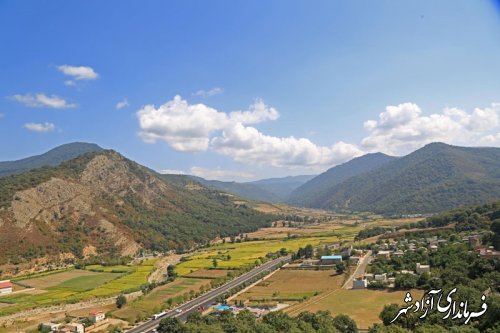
(152, 303)
(99, 284)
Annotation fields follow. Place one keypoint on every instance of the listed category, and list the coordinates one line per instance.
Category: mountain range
(103, 203)
(434, 178)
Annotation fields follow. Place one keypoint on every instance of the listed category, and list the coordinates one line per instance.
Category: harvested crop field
(293, 285)
(364, 306)
(209, 273)
(52, 280)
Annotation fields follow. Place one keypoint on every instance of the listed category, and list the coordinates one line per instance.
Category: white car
(178, 310)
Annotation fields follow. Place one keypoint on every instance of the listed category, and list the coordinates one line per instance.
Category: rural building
(423, 268)
(51, 326)
(369, 276)
(6, 287)
(308, 263)
(475, 241)
(384, 254)
(76, 327)
(222, 307)
(488, 251)
(359, 283)
(330, 260)
(354, 260)
(398, 254)
(381, 277)
(96, 316)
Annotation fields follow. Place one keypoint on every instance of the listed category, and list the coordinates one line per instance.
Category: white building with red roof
(6, 287)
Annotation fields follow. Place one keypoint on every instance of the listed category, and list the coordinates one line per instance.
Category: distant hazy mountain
(282, 187)
(51, 158)
(434, 178)
(270, 190)
(313, 192)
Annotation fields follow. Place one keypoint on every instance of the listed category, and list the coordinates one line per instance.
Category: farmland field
(152, 303)
(246, 253)
(46, 281)
(363, 306)
(209, 273)
(292, 286)
(75, 285)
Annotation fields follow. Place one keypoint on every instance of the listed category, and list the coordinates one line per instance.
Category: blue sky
(265, 88)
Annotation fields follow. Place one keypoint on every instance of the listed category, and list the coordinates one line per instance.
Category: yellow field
(246, 253)
(364, 306)
(52, 280)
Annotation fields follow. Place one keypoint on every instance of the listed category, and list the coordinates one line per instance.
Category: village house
(6, 287)
(330, 260)
(53, 327)
(359, 283)
(381, 277)
(421, 269)
(75, 327)
(475, 241)
(96, 316)
(384, 254)
(369, 276)
(354, 260)
(398, 254)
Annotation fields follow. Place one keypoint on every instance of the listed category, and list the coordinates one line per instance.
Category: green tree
(340, 267)
(214, 263)
(121, 300)
(345, 324)
(170, 325)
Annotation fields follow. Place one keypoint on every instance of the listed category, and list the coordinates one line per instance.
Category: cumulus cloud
(123, 104)
(491, 139)
(40, 127)
(248, 145)
(42, 100)
(78, 72)
(215, 173)
(209, 93)
(403, 128)
(197, 127)
(219, 174)
(183, 126)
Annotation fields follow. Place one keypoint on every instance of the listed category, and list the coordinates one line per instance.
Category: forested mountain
(313, 191)
(432, 179)
(51, 158)
(270, 190)
(103, 203)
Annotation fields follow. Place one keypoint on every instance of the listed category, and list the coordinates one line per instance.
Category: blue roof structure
(222, 307)
(331, 257)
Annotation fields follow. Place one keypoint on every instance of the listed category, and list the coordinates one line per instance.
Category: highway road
(208, 298)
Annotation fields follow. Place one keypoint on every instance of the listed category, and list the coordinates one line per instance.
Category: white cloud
(40, 127)
(492, 139)
(197, 127)
(209, 93)
(219, 174)
(401, 129)
(185, 127)
(257, 113)
(78, 72)
(70, 83)
(172, 172)
(216, 173)
(42, 100)
(248, 145)
(123, 104)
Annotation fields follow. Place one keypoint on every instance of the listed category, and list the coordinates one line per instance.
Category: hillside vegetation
(314, 190)
(434, 178)
(102, 203)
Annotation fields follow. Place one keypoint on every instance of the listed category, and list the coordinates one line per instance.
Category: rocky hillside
(101, 203)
